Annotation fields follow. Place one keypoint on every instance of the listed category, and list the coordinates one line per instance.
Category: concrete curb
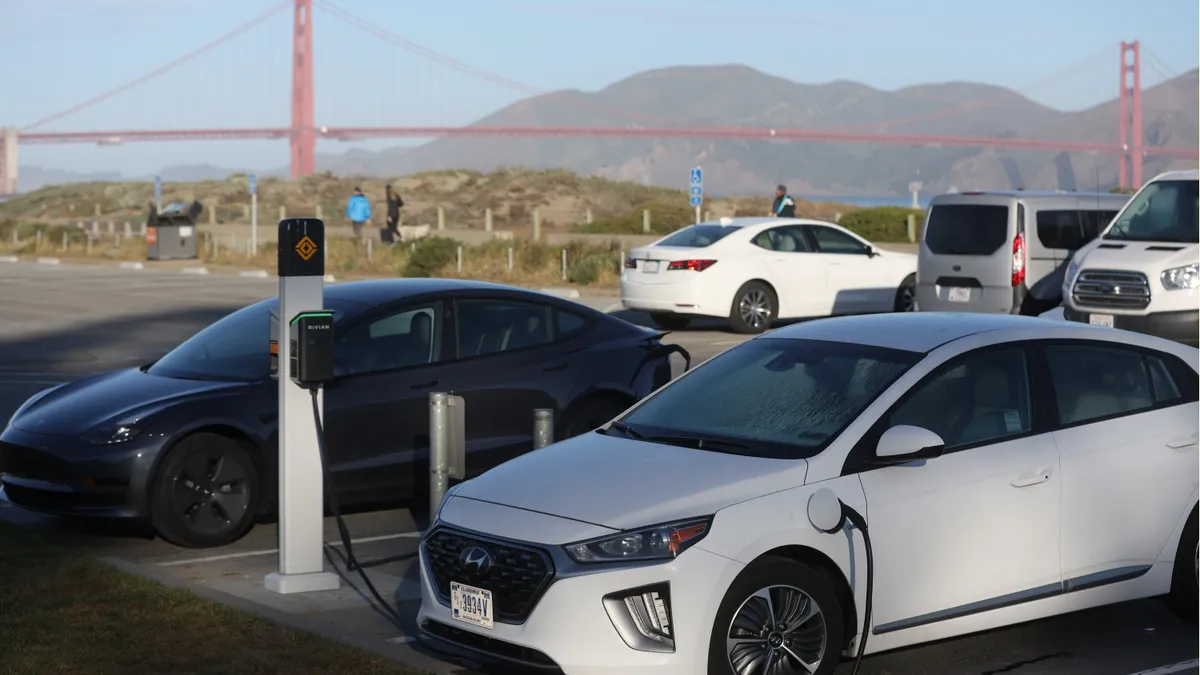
(253, 274)
(49, 261)
(9, 258)
(132, 266)
(195, 270)
(567, 293)
(396, 651)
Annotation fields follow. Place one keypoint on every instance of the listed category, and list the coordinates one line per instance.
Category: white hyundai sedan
(754, 271)
(1004, 469)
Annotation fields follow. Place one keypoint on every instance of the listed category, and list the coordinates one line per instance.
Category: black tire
(592, 414)
(906, 295)
(1185, 591)
(205, 493)
(671, 321)
(803, 640)
(754, 308)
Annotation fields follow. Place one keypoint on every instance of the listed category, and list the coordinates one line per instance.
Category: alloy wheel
(908, 299)
(211, 493)
(755, 309)
(779, 630)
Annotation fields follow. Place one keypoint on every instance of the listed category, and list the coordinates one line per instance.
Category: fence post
(912, 228)
(64, 246)
(487, 220)
(319, 216)
(112, 229)
(282, 212)
(537, 224)
(589, 216)
(441, 218)
(460, 259)
(564, 264)
(97, 210)
(510, 259)
(543, 428)
(212, 214)
(128, 230)
(89, 248)
(646, 221)
(370, 254)
(439, 449)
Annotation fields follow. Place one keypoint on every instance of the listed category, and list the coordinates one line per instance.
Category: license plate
(960, 294)
(650, 267)
(471, 605)
(1105, 320)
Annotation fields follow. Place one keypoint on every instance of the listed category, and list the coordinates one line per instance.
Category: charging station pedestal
(301, 481)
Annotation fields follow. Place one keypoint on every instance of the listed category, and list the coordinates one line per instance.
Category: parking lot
(67, 321)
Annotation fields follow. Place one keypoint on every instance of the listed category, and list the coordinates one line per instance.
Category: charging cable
(829, 515)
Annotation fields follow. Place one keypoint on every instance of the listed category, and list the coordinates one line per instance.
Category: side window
(1092, 382)
(978, 399)
(1165, 388)
(568, 323)
(830, 240)
(782, 239)
(408, 337)
(1055, 229)
(489, 326)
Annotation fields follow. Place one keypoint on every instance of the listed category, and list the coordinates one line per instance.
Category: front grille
(23, 462)
(46, 500)
(1110, 289)
(517, 576)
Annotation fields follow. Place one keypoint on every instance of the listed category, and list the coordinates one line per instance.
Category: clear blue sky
(57, 53)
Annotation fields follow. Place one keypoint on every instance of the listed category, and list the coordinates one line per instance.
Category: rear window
(698, 236)
(1066, 228)
(966, 229)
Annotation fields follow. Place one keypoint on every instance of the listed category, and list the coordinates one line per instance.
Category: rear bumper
(681, 297)
(986, 299)
(1182, 326)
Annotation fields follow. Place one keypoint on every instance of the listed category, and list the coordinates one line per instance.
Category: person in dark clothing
(784, 206)
(394, 202)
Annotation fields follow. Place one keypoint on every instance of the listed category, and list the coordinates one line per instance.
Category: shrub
(589, 268)
(665, 217)
(887, 224)
(431, 255)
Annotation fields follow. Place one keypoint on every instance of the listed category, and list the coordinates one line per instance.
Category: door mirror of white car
(903, 444)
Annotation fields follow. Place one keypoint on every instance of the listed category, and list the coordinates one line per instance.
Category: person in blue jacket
(358, 212)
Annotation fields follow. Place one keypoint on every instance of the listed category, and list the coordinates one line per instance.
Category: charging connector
(829, 514)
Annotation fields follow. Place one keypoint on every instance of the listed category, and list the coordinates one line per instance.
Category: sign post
(158, 193)
(301, 481)
(697, 183)
(253, 215)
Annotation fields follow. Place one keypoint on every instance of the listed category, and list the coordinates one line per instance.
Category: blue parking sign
(697, 201)
(253, 184)
(697, 191)
(697, 176)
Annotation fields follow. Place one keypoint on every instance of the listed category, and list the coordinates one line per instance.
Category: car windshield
(698, 236)
(769, 397)
(1165, 211)
(235, 348)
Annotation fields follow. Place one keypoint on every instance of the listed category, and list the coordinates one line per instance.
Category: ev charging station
(301, 244)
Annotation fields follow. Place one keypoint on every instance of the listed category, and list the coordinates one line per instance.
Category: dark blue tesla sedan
(188, 443)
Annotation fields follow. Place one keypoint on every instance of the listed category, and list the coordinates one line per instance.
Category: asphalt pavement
(66, 321)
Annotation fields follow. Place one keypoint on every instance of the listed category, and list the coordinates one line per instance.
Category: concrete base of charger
(302, 583)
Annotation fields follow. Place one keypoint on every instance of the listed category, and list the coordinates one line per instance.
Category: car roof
(919, 331)
(375, 291)
(1029, 194)
(1186, 174)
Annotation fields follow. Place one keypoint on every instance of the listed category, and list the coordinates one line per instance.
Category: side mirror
(872, 251)
(903, 444)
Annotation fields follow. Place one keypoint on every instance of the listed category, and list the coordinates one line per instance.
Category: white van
(1141, 274)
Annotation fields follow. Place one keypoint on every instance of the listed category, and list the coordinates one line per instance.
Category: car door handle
(426, 385)
(1182, 441)
(1025, 481)
(556, 368)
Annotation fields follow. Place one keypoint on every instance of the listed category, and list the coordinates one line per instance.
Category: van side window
(1069, 228)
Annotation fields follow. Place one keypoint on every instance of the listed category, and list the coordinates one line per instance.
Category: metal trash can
(171, 233)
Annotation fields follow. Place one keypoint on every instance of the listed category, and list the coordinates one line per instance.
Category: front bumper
(1180, 326)
(61, 476)
(569, 629)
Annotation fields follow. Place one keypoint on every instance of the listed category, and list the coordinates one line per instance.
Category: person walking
(358, 212)
(394, 202)
(784, 206)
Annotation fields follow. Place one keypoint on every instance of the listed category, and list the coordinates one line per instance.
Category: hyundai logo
(476, 559)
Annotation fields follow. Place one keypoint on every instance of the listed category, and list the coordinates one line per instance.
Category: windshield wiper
(627, 430)
(698, 442)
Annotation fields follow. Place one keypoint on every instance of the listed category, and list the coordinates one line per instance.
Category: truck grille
(517, 575)
(1112, 290)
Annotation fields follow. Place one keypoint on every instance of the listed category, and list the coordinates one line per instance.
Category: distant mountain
(31, 178)
(740, 96)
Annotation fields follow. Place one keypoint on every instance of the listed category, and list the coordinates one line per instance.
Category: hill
(736, 95)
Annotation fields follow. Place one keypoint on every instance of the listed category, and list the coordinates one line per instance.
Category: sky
(59, 53)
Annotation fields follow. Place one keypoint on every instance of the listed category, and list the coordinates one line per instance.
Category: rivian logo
(306, 248)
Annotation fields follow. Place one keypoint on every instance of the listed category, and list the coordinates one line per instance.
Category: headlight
(661, 542)
(110, 434)
(1069, 277)
(1181, 278)
(30, 401)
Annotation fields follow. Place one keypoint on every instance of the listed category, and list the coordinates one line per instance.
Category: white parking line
(1173, 668)
(251, 554)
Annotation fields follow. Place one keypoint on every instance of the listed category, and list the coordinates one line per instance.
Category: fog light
(642, 617)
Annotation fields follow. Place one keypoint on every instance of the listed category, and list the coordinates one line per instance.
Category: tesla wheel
(592, 414)
(754, 308)
(206, 492)
(906, 295)
(1185, 587)
(779, 617)
(670, 321)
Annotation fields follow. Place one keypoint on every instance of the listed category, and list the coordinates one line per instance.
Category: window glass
(772, 397)
(488, 326)
(1164, 211)
(568, 322)
(783, 239)
(698, 236)
(984, 397)
(1091, 382)
(830, 240)
(966, 229)
(1165, 389)
(409, 337)
(1070, 228)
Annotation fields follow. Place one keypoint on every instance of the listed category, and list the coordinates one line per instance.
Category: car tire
(205, 493)
(906, 295)
(1185, 590)
(819, 638)
(670, 321)
(754, 308)
(592, 414)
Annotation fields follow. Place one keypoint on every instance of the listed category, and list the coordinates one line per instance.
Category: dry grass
(63, 613)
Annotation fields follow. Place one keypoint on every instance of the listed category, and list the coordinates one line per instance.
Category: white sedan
(996, 469)
(756, 270)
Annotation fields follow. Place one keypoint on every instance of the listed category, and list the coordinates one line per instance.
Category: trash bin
(171, 233)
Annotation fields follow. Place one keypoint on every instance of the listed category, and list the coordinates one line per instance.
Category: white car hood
(620, 483)
(1149, 257)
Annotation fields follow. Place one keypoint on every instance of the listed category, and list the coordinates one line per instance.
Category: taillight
(1018, 260)
(630, 264)
(691, 265)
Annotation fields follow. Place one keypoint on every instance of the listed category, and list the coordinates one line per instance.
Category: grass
(63, 613)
